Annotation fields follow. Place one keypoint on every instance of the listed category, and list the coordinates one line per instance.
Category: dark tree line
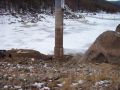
(38, 6)
(23, 6)
(92, 5)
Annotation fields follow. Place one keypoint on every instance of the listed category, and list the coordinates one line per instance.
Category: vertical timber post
(59, 11)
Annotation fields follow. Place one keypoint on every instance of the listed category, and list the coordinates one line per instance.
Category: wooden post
(59, 9)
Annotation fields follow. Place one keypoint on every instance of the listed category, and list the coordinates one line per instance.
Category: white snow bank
(78, 35)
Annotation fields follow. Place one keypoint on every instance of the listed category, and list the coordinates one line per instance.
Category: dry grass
(97, 73)
(71, 73)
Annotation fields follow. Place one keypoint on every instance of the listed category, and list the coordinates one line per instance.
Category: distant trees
(37, 6)
(23, 6)
(92, 5)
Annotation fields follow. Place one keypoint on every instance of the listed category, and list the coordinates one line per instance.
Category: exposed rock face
(106, 48)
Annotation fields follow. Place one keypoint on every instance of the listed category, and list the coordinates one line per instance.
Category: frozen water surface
(78, 34)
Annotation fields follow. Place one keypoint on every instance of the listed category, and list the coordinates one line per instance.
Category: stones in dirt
(106, 48)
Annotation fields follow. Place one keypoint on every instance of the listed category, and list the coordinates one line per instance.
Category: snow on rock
(17, 87)
(60, 85)
(41, 86)
(78, 34)
(38, 85)
(6, 86)
(45, 88)
(81, 81)
(102, 83)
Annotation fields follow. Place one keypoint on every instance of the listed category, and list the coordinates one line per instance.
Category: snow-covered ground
(78, 34)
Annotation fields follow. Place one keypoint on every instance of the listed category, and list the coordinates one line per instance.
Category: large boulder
(105, 49)
(118, 28)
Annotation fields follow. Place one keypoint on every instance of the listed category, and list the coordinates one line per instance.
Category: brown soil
(26, 72)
